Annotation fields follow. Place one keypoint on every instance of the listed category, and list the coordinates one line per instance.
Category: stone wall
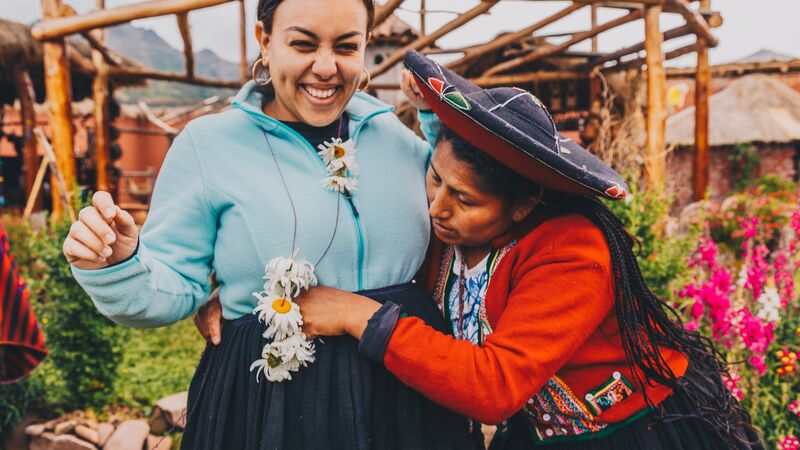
(774, 159)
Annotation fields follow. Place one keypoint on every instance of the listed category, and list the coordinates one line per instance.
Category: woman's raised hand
(103, 235)
(412, 92)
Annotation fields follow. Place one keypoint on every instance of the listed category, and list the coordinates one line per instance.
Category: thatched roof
(19, 48)
(755, 108)
(394, 31)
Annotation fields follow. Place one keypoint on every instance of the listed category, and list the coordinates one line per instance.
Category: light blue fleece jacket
(219, 203)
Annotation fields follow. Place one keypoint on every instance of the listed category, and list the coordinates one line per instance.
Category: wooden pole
(656, 100)
(384, 11)
(481, 50)
(186, 35)
(119, 72)
(244, 67)
(701, 169)
(425, 41)
(636, 48)
(65, 194)
(594, 25)
(422, 17)
(59, 98)
(696, 21)
(24, 87)
(552, 49)
(54, 27)
(101, 122)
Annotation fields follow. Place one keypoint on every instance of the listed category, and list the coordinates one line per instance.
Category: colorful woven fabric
(21, 341)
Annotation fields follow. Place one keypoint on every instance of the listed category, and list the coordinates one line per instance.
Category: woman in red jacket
(554, 334)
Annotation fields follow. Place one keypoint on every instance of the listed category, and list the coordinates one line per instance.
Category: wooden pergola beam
(425, 41)
(552, 49)
(508, 80)
(186, 36)
(118, 72)
(57, 27)
(528, 77)
(501, 41)
(97, 45)
(384, 11)
(672, 54)
(739, 69)
(655, 159)
(636, 48)
(695, 20)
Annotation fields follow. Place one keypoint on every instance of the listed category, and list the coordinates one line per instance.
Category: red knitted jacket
(550, 306)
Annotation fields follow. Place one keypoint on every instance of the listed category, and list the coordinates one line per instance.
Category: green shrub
(662, 259)
(85, 347)
(770, 200)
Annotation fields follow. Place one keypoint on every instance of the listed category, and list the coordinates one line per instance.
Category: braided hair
(646, 323)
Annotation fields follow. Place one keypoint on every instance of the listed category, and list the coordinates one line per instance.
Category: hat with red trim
(512, 126)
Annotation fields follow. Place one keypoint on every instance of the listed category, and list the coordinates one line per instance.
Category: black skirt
(647, 433)
(341, 401)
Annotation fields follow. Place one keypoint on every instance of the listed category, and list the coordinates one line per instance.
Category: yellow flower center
(338, 151)
(282, 305)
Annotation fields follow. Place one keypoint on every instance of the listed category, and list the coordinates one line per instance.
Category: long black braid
(646, 323)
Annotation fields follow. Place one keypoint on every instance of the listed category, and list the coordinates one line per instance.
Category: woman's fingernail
(109, 212)
(107, 252)
(109, 238)
(215, 340)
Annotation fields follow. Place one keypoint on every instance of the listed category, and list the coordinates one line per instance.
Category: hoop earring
(369, 79)
(253, 72)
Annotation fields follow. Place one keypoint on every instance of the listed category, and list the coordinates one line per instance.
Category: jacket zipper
(353, 210)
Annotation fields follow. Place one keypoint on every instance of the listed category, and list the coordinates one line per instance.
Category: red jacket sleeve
(556, 288)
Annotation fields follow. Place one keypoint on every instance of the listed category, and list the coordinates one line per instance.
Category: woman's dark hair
(491, 176)
(646, 322)
(265, 12)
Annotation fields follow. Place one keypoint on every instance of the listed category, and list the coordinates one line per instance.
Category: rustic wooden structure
(521, 57)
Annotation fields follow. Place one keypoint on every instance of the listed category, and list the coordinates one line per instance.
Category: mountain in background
(765, 55)
(148, 49)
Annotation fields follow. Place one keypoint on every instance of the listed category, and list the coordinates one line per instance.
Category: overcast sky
(748, 25)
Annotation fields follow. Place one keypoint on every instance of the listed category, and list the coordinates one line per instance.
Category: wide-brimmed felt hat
(512, 126)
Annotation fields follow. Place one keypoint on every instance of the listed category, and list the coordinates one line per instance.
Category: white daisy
(336, 149)
(296, 348)
(281, 315)
(340, 184)
(288, 277)
(272, 365)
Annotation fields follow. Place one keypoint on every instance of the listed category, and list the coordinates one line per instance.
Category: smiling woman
(314, 70)
(303, 180)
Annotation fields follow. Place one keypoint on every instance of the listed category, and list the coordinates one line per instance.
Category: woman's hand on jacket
(104, 234)
(331, 312)
(412, 92)
(208, 319)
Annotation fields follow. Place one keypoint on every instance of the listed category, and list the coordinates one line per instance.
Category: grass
(157, 362)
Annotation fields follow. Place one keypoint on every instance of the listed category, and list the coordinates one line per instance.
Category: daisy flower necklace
(286, 278)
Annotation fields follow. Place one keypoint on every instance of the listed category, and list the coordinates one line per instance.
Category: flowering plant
(770, 201)
(750, 307)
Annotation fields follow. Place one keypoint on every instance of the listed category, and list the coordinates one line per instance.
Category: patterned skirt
(647, 432)
(341, 401)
